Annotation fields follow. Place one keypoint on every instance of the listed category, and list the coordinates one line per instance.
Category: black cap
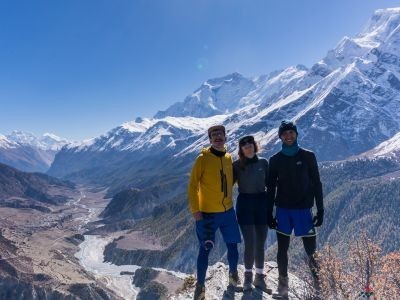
(287, 125)
(248, 139)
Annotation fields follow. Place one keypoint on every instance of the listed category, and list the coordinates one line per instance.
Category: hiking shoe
(260, 283)
(234, 283)
(317, 289)
(234, 280)
(248, 280)
(199, 292)
(283, 288)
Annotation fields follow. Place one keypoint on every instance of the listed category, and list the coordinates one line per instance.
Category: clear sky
(78, 68)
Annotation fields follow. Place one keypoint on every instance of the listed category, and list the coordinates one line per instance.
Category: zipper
(224, 184)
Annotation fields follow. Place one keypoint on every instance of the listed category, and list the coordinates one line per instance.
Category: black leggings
(254, 237)
(310, 245)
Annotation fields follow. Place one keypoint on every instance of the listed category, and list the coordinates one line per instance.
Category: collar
(217, 152)
(290, 150)
(252, 160)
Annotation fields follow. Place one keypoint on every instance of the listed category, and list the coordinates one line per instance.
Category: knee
(310, 246)
(204, 251)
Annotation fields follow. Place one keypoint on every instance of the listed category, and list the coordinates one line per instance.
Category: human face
(248, 150)
(218, 139)
(288, 137)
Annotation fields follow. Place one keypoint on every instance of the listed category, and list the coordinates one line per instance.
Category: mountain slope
(214, 97)
(21, 189)
(390, 148)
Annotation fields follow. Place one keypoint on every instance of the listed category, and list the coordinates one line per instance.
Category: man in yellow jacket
(210, 201)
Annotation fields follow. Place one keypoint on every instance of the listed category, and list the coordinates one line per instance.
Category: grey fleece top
(253, 178)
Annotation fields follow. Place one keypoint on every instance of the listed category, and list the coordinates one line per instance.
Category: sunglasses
(217, 133)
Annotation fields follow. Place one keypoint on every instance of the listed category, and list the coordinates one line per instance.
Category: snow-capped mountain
(142, 145)
(27, 152)
(377, 32)
(47, 141)
(230, 93)
(5, 143)
(215, 96)
(144, 134)
(344, 105)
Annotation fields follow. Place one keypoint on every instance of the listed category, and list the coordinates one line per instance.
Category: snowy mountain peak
(52, 136)
(379, 27)
(48, 141)
(301, 67)
(5, 143)
(379, 30)
(53, 142)
(235, 76)
(139, 125)
(389, 10)
(27, 152)
(287, 74)
(21, 137)
(216, 96)
(147, 133)
(227, 94)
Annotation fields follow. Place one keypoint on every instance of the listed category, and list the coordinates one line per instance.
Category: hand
(198, 216)
(319, 218)
(271, 221)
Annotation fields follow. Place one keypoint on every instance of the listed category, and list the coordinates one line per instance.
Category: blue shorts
(301, 220)
(225, 221)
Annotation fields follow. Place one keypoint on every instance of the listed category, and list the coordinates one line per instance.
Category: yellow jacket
(211, 181)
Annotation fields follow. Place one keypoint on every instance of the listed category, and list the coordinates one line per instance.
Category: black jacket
(293, 181)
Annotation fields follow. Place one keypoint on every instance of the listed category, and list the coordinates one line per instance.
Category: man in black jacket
(293, 187)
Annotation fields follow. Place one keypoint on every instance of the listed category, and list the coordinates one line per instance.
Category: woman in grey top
(250, 172)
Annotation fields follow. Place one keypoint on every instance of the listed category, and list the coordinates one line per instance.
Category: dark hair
(249, 139)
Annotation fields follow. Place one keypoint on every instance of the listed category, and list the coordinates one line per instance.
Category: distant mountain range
(27, 152)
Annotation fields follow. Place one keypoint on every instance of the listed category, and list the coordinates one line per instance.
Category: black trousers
(310, 246)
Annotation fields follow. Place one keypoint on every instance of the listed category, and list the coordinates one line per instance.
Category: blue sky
(78, 68)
